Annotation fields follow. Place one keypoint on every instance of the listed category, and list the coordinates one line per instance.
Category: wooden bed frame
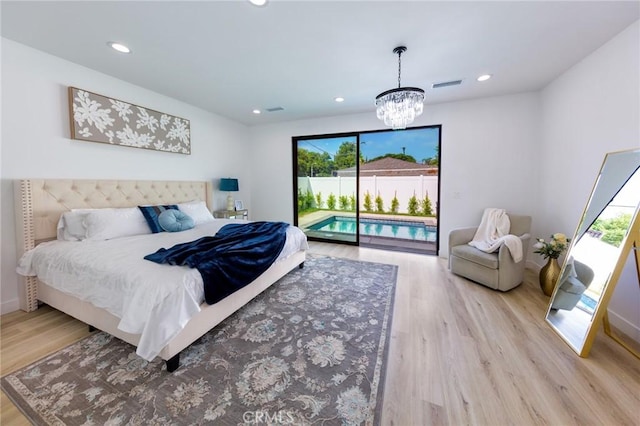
(39, 204)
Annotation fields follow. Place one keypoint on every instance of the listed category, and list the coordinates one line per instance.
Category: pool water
(377, 228)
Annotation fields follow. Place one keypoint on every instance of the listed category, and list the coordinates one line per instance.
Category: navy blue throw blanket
(231, 259)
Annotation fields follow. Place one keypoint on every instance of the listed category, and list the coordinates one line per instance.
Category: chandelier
(399, 107)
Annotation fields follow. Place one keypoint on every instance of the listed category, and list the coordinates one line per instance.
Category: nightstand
(231, 214)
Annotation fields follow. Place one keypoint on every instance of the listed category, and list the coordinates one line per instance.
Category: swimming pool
(402, 229)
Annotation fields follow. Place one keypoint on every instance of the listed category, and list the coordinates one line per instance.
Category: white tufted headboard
(40, 202)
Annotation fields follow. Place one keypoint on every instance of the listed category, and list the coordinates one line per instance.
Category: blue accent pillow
(175, 221)
(151, 214)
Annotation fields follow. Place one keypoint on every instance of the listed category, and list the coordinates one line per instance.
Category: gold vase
(549, 276)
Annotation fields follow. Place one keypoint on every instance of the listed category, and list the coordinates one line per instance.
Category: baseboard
(624, 326)
(9, 306)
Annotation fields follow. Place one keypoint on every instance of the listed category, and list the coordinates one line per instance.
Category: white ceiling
(231, 57)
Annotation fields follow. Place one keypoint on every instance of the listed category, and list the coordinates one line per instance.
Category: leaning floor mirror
(608, 231)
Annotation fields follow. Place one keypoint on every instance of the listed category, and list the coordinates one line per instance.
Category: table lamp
(229, 185)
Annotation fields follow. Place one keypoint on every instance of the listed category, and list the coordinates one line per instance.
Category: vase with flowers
(551, 250)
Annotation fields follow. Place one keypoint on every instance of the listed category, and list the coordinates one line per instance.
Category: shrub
(331, 202)
(319, 200)
(379, 204)
(413, 205)
(395, 204)
(344, 202)
(427, 210)
(368, 205)
(308, 199)
(613, 229)
(614, 237)
(352, 202)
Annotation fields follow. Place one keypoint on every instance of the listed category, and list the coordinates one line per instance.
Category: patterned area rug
(311, 349)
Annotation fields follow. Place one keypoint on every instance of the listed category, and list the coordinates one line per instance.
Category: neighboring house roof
(390, 166)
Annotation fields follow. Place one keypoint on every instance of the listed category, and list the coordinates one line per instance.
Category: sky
(419, 143)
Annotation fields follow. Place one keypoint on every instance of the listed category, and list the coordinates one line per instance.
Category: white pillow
(105, 224)
(71, 225)
(197, 210)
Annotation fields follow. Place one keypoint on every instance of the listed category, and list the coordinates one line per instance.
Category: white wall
(591, 109)
(36, 143)
(487, 158)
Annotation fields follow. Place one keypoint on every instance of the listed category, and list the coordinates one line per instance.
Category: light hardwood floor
(459, 354)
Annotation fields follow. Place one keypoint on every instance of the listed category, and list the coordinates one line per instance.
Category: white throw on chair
(502, 237)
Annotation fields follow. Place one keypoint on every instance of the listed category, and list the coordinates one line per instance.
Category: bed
(39, 206)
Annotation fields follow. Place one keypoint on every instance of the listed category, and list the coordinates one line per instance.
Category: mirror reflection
(596, 248)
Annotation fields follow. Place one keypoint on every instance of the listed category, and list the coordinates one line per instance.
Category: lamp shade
(228, 184)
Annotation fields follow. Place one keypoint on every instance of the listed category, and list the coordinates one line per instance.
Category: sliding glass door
(399, 186)
(326, 186)
(378, 188)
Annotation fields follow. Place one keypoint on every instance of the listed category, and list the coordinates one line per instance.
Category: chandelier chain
(399, 66)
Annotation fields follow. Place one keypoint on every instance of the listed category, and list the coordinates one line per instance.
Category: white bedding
(153, 300)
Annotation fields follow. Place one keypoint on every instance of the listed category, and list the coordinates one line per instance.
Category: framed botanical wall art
(98, 118)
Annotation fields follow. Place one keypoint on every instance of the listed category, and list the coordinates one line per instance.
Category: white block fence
(403, 187)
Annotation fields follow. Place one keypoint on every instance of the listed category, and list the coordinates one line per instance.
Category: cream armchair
(495, 270)
(572, 287)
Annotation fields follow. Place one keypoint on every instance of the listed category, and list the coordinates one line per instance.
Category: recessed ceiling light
(339, 99)
(484, 77)
(119, 47)
(258, 2)
(257, 111)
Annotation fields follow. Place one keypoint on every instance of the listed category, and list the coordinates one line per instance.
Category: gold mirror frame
(576, 325)
(630, 346)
